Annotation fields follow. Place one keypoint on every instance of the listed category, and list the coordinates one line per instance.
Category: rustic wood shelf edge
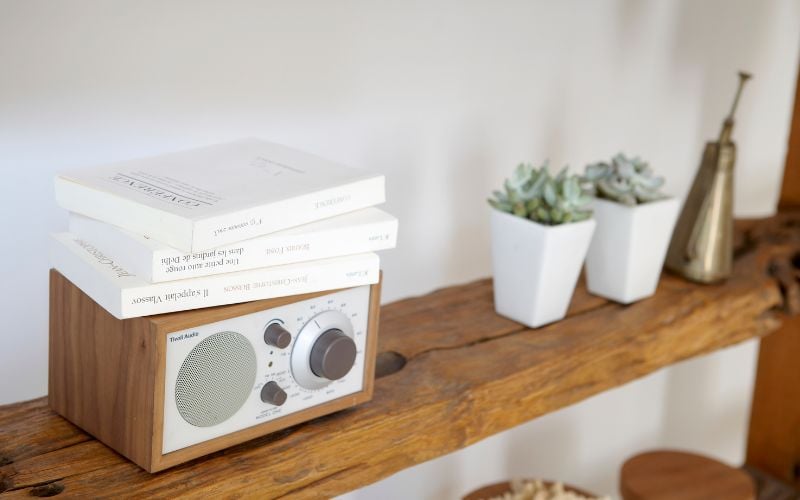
(454, 373)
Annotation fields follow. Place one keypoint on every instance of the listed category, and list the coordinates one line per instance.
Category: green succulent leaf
(537, 188)
(596, 171)
(520, 176)
(584, 200)
(562, 175)
(542, 215)
(581, 216)
(572, 189)
(625, 180)
(499, 205)
(644, 195)
(534, 193)
(550, 193)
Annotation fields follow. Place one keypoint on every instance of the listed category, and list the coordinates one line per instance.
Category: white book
(366, 230)
(208, 197)
(125, 295)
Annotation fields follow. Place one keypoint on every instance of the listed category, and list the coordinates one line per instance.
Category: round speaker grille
(215, 379)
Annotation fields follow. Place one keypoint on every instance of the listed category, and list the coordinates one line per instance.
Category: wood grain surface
(677, 475)
(790, 190)
(104, 383)
(454, 373)
(774, 438)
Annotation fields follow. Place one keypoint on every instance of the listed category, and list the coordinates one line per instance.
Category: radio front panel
(236, 373)
(165, 389)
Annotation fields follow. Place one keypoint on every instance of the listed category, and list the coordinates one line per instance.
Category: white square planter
(536, 266)
(628, 248)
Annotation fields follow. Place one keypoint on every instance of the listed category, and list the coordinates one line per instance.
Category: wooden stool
(675, 475)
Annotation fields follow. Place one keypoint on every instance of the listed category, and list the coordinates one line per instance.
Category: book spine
(265, 283)
(226, 229)
(157, 264)
(125, 295)
(130, 249)
(273, 251)
(88, 276)
(165, 227)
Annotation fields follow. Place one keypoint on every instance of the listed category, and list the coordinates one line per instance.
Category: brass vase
(702, 245)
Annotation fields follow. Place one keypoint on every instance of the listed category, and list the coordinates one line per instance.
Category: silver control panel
(229, 375)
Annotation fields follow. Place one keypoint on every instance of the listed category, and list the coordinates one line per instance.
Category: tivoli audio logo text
(183, 336)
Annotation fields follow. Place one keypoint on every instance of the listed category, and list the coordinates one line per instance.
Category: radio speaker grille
(215, 379)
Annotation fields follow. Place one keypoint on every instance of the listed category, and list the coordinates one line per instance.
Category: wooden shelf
(452, 373)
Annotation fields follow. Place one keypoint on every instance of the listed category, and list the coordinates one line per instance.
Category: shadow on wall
(707, 34)
(554, 445)
(471, 171)
(470, 178)
(706, 403)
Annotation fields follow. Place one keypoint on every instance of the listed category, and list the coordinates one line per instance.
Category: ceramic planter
(536, 266)
(628, 248)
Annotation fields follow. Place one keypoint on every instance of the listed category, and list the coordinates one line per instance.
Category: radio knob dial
(272, 394)
(333, 355)
(277, 336)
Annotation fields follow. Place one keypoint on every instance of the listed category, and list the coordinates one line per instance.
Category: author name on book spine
(103, 259)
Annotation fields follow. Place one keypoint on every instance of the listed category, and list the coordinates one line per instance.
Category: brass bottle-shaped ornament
(702, 245)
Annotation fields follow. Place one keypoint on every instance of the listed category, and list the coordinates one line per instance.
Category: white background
(445, 97)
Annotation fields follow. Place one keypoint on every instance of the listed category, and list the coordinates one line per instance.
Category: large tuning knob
(324, 350)
(333, 355)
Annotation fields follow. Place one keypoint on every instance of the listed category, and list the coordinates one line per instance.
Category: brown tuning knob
(333, 355)
(278, 336)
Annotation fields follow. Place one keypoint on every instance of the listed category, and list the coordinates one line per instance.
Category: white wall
(445, 97)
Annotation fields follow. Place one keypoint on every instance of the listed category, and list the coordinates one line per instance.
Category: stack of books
(236, 222)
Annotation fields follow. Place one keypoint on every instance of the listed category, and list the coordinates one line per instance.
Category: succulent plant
(629, 181)
(534, 194)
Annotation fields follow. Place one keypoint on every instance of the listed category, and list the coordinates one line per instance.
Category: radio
(165, 389)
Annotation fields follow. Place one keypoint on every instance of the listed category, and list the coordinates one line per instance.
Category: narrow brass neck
(727, 126)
